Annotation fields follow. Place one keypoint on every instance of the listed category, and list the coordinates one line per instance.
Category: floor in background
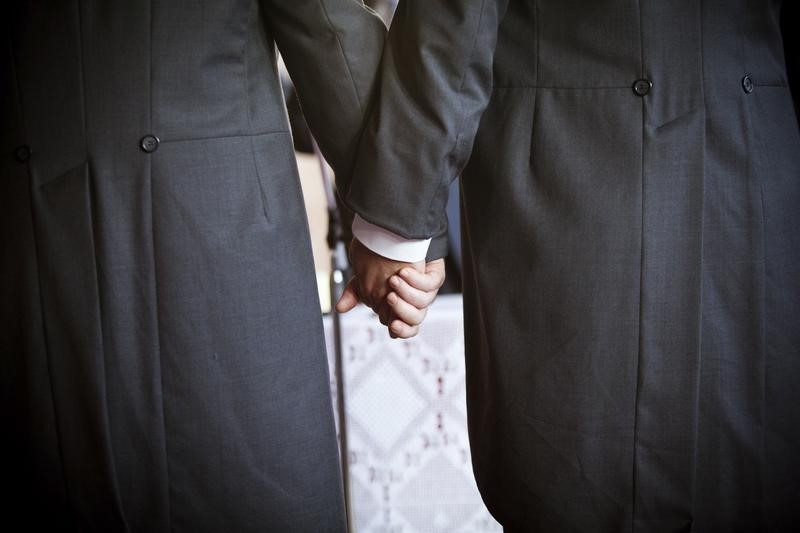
(409, 455)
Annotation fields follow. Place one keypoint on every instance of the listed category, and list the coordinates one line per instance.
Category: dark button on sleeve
(642, 87)
(22, 153)
(747, 84)
(149, 143)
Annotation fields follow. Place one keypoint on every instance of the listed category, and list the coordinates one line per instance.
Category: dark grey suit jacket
(631, 202)
(162, 360)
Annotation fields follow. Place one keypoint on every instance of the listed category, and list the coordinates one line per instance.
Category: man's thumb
(349, 298)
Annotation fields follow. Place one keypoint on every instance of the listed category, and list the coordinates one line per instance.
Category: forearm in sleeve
(436, 80)
(332, 50)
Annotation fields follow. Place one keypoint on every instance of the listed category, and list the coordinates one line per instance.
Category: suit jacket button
(22, 153)
(149, 143)
(747, 84)
(642, 87)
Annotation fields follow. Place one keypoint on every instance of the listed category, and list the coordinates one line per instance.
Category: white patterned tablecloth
(409, 459)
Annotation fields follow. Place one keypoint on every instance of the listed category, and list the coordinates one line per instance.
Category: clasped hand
(398, 292)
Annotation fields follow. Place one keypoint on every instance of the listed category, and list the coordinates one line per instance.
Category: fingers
(372, 272)
(431, 280)
(414, 292)
(384, 313)
(417, 298)
(397, 328)
(349, 297)
(404, 311)
(376, 276)
(401, 330)
(402, 318)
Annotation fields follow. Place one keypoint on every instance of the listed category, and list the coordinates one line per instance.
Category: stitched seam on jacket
(444, 176)
(641, 283)
(700, 276)
(245, 54)
(538, 29)
(751, 149)
(215, 137)
(344, 56)
(588, 87)
(149, 165)
(93, 218)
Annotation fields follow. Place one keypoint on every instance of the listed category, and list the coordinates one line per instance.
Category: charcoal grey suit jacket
(162, 363)
(631, 223)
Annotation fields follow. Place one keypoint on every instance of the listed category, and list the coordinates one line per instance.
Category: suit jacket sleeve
(332, 50)
(436, 80)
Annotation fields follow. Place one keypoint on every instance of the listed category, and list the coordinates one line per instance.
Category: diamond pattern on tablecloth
(443, 335)
(440, 498)
(365, 506)
(435, 371)
(457, 401)
(384, 405)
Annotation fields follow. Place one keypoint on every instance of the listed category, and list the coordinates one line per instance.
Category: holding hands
(398, 292)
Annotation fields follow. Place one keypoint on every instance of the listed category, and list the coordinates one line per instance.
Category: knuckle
(411, 320)
(418, 318)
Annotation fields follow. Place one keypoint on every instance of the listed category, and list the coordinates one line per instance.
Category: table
(409, 458)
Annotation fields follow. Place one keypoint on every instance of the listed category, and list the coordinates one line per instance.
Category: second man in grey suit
(630, 179)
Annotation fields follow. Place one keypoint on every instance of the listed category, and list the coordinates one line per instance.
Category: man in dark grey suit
(631, 223)
(163, 364)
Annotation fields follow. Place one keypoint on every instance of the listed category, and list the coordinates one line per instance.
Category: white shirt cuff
(390, 245)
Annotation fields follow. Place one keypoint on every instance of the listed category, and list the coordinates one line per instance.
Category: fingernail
(394, 281)
(392, 298)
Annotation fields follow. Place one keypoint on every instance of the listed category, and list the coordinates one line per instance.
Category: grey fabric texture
(631, 259)
(163, 364)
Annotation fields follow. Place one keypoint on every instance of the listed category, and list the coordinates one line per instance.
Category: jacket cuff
(387, 244)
